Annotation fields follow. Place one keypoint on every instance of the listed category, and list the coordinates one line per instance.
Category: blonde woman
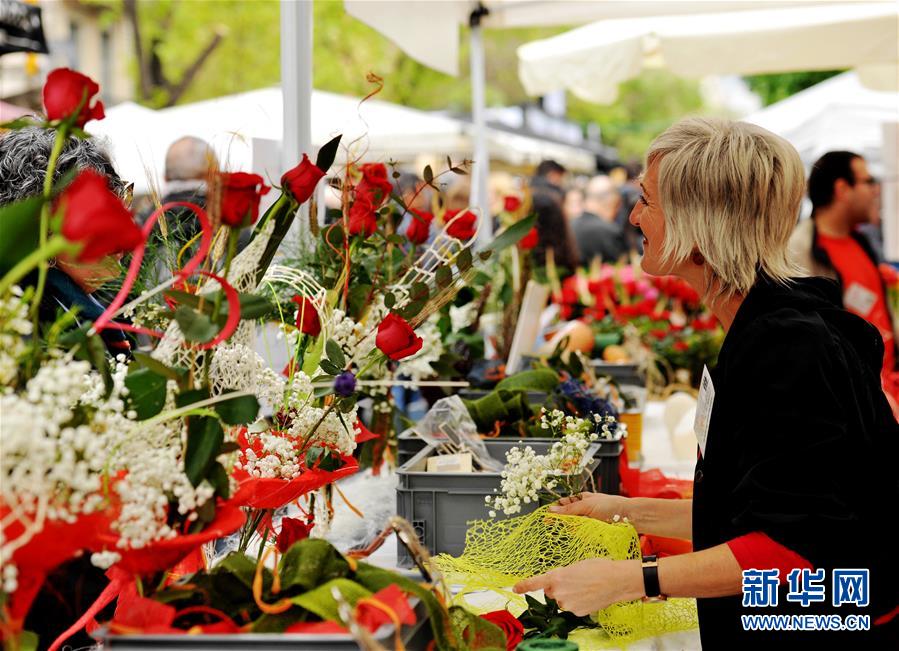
(796, 467)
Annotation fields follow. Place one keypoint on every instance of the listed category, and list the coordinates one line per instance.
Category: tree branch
(176, 91)
(143, 69)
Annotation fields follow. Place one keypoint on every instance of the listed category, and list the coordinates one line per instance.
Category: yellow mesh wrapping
(499, 553)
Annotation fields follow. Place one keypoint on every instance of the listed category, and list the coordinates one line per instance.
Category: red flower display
(462, 227)
(300, 182)
(241, 193)
(96, 218)
(307, 317)
(374, 184)
(419, 227)
(396, 338)
(292, 530)
(273, 493)
(530, 240)
(65, 91)
(163, 554)
(511, 203)
(363, 218)
(513, 629)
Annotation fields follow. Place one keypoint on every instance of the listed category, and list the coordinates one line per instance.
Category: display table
(657, 453)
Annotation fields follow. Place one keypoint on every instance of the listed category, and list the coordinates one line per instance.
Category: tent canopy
(591, 61)
(378, 130)
(838, 113)
(429, 31)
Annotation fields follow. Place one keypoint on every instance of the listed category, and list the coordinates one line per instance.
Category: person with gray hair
(797, 442)
(595, 231)
(24, 154)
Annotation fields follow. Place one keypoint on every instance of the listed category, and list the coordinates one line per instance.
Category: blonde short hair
(730, 190)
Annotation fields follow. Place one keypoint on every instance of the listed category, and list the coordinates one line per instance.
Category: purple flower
(345, 384)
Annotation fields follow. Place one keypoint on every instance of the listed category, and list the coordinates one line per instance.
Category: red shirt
(862, 289)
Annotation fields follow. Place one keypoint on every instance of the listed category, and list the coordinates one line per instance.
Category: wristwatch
(651, 580)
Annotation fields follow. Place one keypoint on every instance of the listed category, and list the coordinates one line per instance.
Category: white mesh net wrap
(242, 276)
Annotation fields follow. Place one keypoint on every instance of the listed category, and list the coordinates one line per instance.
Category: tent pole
(481, 169)
(296, 89)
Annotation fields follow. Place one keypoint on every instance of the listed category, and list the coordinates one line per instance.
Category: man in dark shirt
(595, 231)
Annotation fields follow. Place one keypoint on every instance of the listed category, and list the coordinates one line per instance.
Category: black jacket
(803, 447)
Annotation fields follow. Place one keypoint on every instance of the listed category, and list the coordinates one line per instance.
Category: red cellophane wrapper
(273, 493)
(165, 554)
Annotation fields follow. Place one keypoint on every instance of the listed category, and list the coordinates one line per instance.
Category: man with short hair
(549, 178)
(189, 161)
(843, 195)
(595, 231)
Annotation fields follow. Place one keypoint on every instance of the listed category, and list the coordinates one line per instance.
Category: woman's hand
(593, 505)
(589, 586)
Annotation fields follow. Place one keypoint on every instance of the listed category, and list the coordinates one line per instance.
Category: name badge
(704, 409)
(859, 299)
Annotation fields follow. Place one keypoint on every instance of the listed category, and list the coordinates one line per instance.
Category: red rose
(681, 346)
(292, 530)
(300, 182)
(240, 198)
(419, 227)
(307, 317)
(511, 203)
(513, 629)
(396, 338)
(530, 240)
(363, 218)
(65, 91)
(462, 227)
(96, 218)
(374, 183)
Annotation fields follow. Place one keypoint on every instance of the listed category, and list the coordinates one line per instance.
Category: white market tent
(838, 113)
(592, 61)
(429, 32)
(246, 131)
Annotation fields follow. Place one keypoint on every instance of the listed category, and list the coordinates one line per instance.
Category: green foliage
(775, 87)
(646, 106)
(146, 392)
(204, 439)
(238, 411)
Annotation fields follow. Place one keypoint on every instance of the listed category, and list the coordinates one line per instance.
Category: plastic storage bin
(440, 505)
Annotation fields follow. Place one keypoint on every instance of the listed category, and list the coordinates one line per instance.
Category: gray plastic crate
(606, 476)
(622, 373)
(440, 505)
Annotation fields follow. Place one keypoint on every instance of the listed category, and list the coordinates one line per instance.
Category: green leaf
(238, 411)
(321, 392)
(485, 255)
(428, 174)
(463, 260)
(412, 310)
(334, 236)
(252, 306)
(389, 300)
(313, 355)
(19, 231)
(330, 367)
(89, 349)
(19, 123)
(396, 239)
(358, 297)
(146, 392)
(443, 276)
(459, 171)
(327, 154)
(419, 291)
(218, 477)
(204, 439)
(537, 380)
(191, 396)
(228, 447)
(194, 326)
(335, 354)
(158, 367)
(513, 233)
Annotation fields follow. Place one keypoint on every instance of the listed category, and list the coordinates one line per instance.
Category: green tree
(775, 87)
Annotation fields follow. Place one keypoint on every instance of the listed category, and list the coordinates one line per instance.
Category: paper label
(450, 463)
(704, 409)
(859, 299)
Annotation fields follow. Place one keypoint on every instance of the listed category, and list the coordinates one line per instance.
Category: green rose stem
(61, 135)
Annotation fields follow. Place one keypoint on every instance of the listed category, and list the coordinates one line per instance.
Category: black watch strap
(651, 577)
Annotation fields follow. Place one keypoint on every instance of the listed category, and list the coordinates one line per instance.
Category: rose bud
(96, 218)
(292, 531)
(363, 218)
(530, 240)
(374, 183)
(462, 227)
(419, 227)
(66, 90)
(300, 182)
(307, 317)
(396, 338)
(241, 193)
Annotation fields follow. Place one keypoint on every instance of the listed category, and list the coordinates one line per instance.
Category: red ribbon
(118, 580)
